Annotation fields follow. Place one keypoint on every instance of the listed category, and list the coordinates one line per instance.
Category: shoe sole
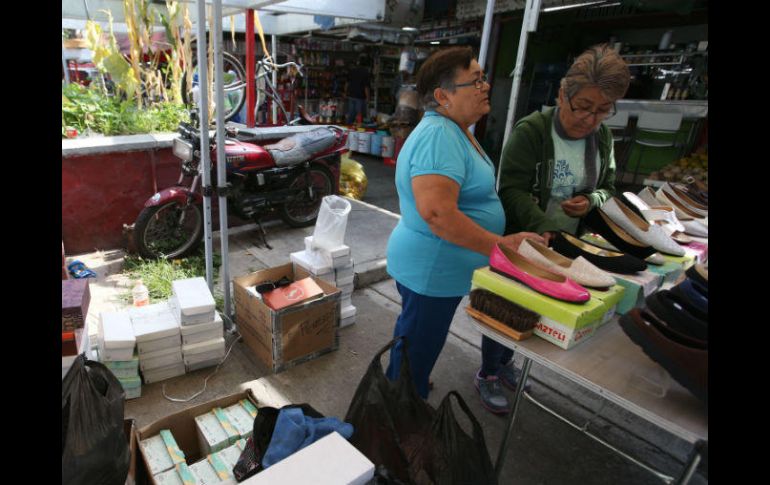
(486, 406)
(630, 329)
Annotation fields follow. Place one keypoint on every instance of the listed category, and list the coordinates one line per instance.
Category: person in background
(556, 166)
(357, 90)
(451, 217)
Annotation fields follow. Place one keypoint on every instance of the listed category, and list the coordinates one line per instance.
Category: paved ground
(543, 449)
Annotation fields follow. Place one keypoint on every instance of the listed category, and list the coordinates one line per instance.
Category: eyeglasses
(584, 114)
(478, 83)
(268, 286)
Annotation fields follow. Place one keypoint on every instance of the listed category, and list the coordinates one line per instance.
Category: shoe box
(561, 323)
(638, 287)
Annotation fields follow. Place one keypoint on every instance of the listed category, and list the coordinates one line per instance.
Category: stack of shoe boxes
(158, 340)
(116, 342)
(334, 266)
(192, 303)
(218, 467)
(163, 457)
(75, 298)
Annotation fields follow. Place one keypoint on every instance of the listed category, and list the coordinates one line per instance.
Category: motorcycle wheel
(303, 211)
(159, 235)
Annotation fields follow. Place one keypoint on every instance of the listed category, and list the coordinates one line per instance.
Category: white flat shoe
(693, 225)
(650, 234)
(675, 195)
(579, 269)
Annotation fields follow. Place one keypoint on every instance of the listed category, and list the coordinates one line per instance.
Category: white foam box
(204, 351)
(242, 416)
(312, 265)
(215, 431)
(161, 452)
(181, 474)
(332, 460)
(66, 362)
(160, 358)
(124, 368)
(162, 373)
(193, 334)
(192, 303)
(343, 272)
(116, 336)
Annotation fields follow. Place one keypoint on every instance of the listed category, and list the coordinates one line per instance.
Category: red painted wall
(102, 192)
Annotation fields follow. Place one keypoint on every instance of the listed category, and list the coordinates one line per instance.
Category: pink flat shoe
(507, 262)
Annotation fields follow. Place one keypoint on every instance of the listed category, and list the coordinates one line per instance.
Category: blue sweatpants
(424, 320)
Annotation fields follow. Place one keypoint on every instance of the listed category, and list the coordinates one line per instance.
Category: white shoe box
(242, 416)
(346, 322)
(346, 271)
(312, 263)
(85, 343)
(344, 281)
(116, 336)
(163, 373)
(160, 358)
(215, 432)
(155, 327)
(332, 459)
(161, 452)
(347, 315)
(345, 301)
(192, 303)
(337, 253)
(193, 334)
(203, 351)
(203, 364)
(346, 290)
(159, 344)
(124, 368)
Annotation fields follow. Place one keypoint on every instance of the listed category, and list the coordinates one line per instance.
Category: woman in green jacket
(556, 166)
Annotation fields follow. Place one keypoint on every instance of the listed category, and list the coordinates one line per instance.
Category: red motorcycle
(289, 177)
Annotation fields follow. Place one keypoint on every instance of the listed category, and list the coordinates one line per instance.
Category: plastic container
(353, 140)
(376, 146)
(388, 147)
(365, 141)
(141, 294)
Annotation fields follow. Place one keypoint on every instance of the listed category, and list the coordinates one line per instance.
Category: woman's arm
(436, 200)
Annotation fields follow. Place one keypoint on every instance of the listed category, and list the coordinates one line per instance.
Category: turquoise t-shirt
(417, 258)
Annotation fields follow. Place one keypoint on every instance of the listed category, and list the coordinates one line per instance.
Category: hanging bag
(94, 446)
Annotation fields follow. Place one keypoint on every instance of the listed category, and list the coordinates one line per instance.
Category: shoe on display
(640, 229)
(668, 197)
(579, 269)
(687, 365)
(617, 236)
(571, 246)
(657, 259)
(681, 316)
(663, 216)
(507, 262)
(692, 225)
(491, 393)
(694, 293)
(699, 274)
(680, 191)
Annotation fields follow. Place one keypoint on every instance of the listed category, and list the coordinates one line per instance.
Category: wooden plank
(497, 325)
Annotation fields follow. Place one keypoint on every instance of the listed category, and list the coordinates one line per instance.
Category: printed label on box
(561, 335)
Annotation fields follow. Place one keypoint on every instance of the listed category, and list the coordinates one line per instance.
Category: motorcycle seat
(301, 147)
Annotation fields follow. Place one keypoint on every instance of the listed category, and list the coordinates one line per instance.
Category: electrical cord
(205, 381)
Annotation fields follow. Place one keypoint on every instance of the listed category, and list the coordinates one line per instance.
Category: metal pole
(516, 402)
(219, 92)
(205, 168)
(66, 69)
(274, 48)
(250, 56)
(528, 24)
(485, 41)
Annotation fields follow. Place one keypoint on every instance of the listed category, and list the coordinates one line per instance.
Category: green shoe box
(670, 271)
(561, 323)
(685, 261)
(638, 286)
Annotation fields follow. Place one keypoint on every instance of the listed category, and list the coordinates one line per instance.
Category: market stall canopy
(278, 17)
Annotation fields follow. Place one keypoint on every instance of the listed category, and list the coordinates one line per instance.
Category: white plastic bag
(332, 220)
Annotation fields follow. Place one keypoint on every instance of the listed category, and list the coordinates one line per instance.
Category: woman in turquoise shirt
(451, 217)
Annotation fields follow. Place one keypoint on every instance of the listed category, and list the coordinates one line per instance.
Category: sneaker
(508, 377)
(491, 393)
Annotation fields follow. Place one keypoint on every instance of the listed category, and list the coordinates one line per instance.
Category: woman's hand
(577, 206)
(513, 240)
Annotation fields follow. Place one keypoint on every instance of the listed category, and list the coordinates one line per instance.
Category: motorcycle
(289, 177)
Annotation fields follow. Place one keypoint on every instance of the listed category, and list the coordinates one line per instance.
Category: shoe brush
(503, 310)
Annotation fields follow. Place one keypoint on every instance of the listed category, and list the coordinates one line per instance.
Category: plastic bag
(332, 221)
(94, 446)
(448, 455)
(353, 179)
(250, 461)
(390, 419)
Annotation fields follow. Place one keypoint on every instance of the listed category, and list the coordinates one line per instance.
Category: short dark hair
(439, 70)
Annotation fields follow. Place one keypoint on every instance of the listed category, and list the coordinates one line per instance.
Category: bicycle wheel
(234, 85)
(265, 92)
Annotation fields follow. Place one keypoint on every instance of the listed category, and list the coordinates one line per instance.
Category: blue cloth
(294, 431)
(424, 320)
(417, 258)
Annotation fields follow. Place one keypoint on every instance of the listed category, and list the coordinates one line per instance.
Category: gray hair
(429, 102)
(439, 71)
(599, 66)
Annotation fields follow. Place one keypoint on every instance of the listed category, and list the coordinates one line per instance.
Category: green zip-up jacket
(527, 174)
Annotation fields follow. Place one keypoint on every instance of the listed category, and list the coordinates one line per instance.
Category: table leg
(516, 401)
(692, 464)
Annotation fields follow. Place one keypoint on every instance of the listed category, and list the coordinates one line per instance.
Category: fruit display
(695, 166)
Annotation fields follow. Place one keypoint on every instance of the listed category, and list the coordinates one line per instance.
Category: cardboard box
(332, 459)
(670, 271)
(192, 303)
(75, 298)
(136, 474)
(638, 286)
(611, 297)
(182, 426)
(287, 337)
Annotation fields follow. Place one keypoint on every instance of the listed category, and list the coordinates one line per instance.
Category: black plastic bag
(389, 418)
(250, 461)
(449, 455)
(94, 446)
